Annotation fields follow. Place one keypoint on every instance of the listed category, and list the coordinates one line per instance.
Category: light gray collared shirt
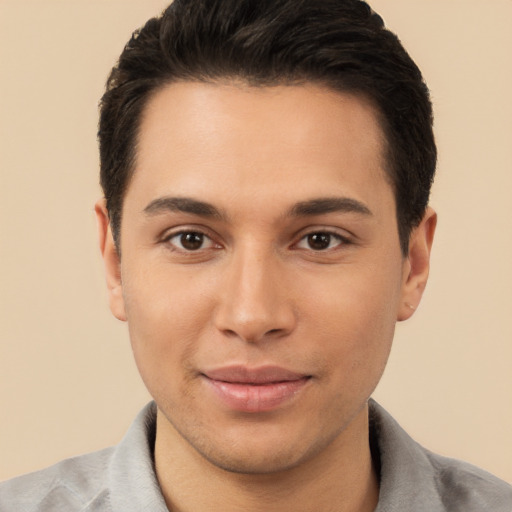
(122, 478)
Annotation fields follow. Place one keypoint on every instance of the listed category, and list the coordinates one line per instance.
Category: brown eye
(190, 241)
(319, 241)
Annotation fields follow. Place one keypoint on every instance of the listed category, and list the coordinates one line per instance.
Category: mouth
(254, 389)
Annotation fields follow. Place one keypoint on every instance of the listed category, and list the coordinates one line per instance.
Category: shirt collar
(407, 479)
(131, 475)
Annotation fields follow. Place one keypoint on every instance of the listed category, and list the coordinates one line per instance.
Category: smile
(254, 390)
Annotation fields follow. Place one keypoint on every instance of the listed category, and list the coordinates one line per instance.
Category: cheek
(355, 315)
(166, 316)
(157, 297)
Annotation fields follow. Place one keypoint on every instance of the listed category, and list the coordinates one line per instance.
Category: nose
(254, 302)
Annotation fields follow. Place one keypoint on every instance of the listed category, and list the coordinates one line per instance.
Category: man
(266, 167)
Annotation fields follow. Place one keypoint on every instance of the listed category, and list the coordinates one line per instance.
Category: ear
(417, 265)
(111, 261)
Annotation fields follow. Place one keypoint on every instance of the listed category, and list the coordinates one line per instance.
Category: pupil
(319, 241)
(192, 241)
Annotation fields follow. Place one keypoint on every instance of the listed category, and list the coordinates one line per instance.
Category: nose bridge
(254, 301)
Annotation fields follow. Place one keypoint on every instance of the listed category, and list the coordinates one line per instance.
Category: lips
(254, 389)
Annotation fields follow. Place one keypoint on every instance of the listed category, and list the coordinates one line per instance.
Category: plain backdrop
(67, 381)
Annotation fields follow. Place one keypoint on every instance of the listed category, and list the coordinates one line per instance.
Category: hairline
(248, 81)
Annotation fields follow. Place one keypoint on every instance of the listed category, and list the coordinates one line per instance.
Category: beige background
(67, 381)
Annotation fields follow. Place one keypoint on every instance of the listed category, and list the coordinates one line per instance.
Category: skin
(255, 290)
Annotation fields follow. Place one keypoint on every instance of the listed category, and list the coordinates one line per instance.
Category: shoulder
(414, 478)
(76, 484)
(467, 488)
(118, 478)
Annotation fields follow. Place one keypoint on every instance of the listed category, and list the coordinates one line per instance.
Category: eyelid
(169, 234)
(342, 235)
(338, 239)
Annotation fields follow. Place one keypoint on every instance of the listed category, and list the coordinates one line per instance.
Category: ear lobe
(111, 261)
(417, 265)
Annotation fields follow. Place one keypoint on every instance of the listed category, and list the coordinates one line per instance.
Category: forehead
(219, 140)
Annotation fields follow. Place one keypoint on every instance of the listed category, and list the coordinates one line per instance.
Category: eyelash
(181, 233)
(341, 241)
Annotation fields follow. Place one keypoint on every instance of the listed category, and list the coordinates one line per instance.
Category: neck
(339, 479)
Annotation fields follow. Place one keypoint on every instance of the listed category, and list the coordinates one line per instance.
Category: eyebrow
(312, 207)
(184, 205)
(325, 205)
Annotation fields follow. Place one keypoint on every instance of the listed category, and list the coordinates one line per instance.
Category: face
(261, 274)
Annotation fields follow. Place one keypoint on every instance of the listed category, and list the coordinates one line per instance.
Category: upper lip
(259, 375)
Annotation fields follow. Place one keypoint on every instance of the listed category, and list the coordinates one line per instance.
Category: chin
(259, 450)
(249, 464)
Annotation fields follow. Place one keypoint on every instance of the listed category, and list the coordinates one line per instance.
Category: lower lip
(256, 397)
